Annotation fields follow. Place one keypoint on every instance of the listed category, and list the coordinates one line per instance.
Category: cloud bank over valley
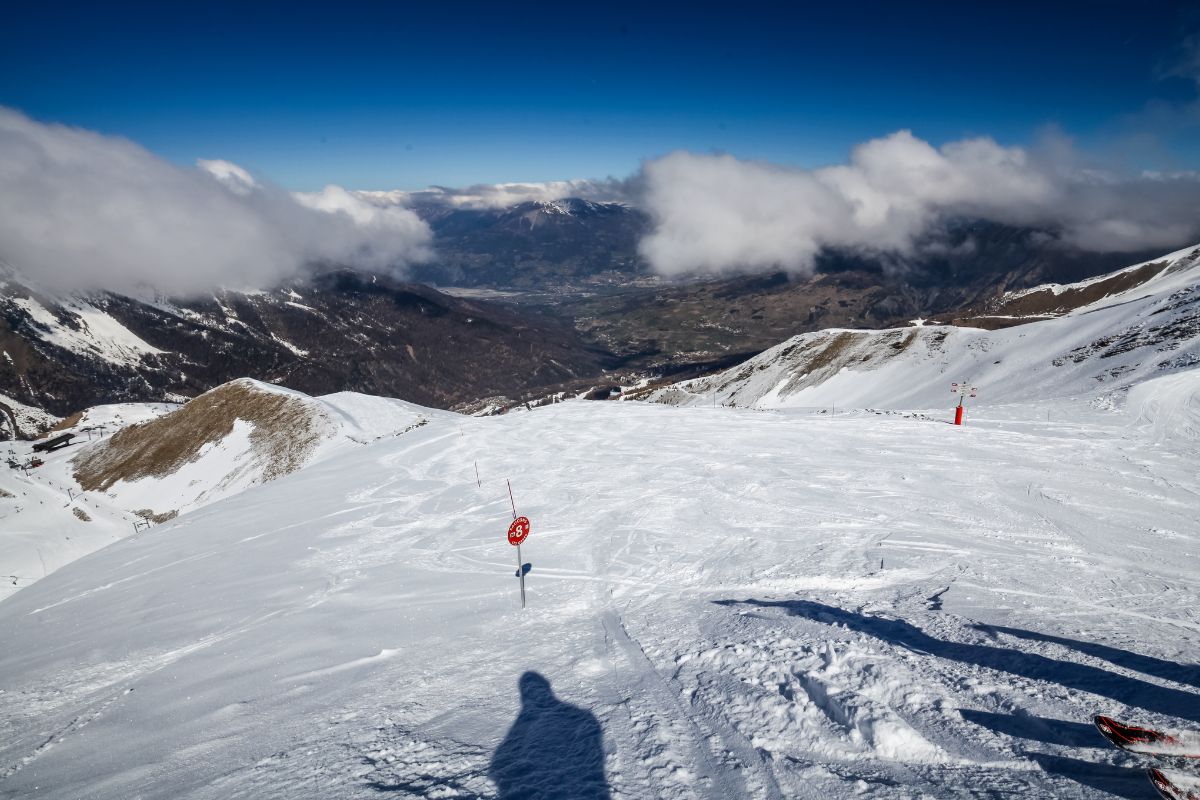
(81, 210)
(715, 213)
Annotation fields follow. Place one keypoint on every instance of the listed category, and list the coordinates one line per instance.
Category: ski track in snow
(749, 604)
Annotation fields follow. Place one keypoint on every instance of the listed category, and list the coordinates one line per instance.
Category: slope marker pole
(521, 575)
(520, 564)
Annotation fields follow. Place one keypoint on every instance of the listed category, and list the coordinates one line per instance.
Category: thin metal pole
(477, 481)
(521, 574)
(510, 498)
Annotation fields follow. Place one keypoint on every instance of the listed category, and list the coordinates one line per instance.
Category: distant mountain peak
(570, 207)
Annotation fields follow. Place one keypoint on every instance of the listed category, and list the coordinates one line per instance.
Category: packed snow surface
(721, 603)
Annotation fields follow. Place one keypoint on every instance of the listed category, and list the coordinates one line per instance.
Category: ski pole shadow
(1116, 780)
(1037, 729)
(553, 749)
(1188, 674)
(1120, 781)
(1084, 677)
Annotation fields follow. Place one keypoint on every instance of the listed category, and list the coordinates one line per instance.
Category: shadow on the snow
(1160, 668)
(1119, 781)
(1038, 729)
(552, 750)
(1131, 691)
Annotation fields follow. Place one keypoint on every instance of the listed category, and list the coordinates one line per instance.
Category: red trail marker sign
(518, 531)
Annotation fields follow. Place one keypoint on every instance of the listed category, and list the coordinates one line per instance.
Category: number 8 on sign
(518, 530)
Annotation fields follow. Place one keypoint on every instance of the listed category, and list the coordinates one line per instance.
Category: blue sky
(400, 96)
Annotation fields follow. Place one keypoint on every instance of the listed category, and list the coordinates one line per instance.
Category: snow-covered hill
(238, 435)
(135, 464)
(1095, 348)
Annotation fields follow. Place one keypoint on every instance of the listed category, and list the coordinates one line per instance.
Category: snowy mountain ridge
(92, 332)
(1095, 349)
(1177, 261)
(339, 330)
(19, 421)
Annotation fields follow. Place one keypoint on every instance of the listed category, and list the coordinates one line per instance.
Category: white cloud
(379, 237)
(80, 210)
(717, 213)
(234, 178)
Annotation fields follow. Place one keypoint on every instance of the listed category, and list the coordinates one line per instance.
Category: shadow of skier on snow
(1084, 677)
(552, 750)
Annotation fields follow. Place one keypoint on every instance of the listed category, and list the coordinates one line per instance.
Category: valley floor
(721, 603)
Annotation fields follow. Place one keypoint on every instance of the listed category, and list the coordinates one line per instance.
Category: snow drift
(1169, 406)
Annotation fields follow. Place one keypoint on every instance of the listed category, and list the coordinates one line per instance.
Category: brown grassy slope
(286, 430)
(62, 425)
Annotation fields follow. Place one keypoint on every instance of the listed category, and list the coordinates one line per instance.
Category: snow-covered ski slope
(46, 521)
(722, 603)
(1097, 350)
